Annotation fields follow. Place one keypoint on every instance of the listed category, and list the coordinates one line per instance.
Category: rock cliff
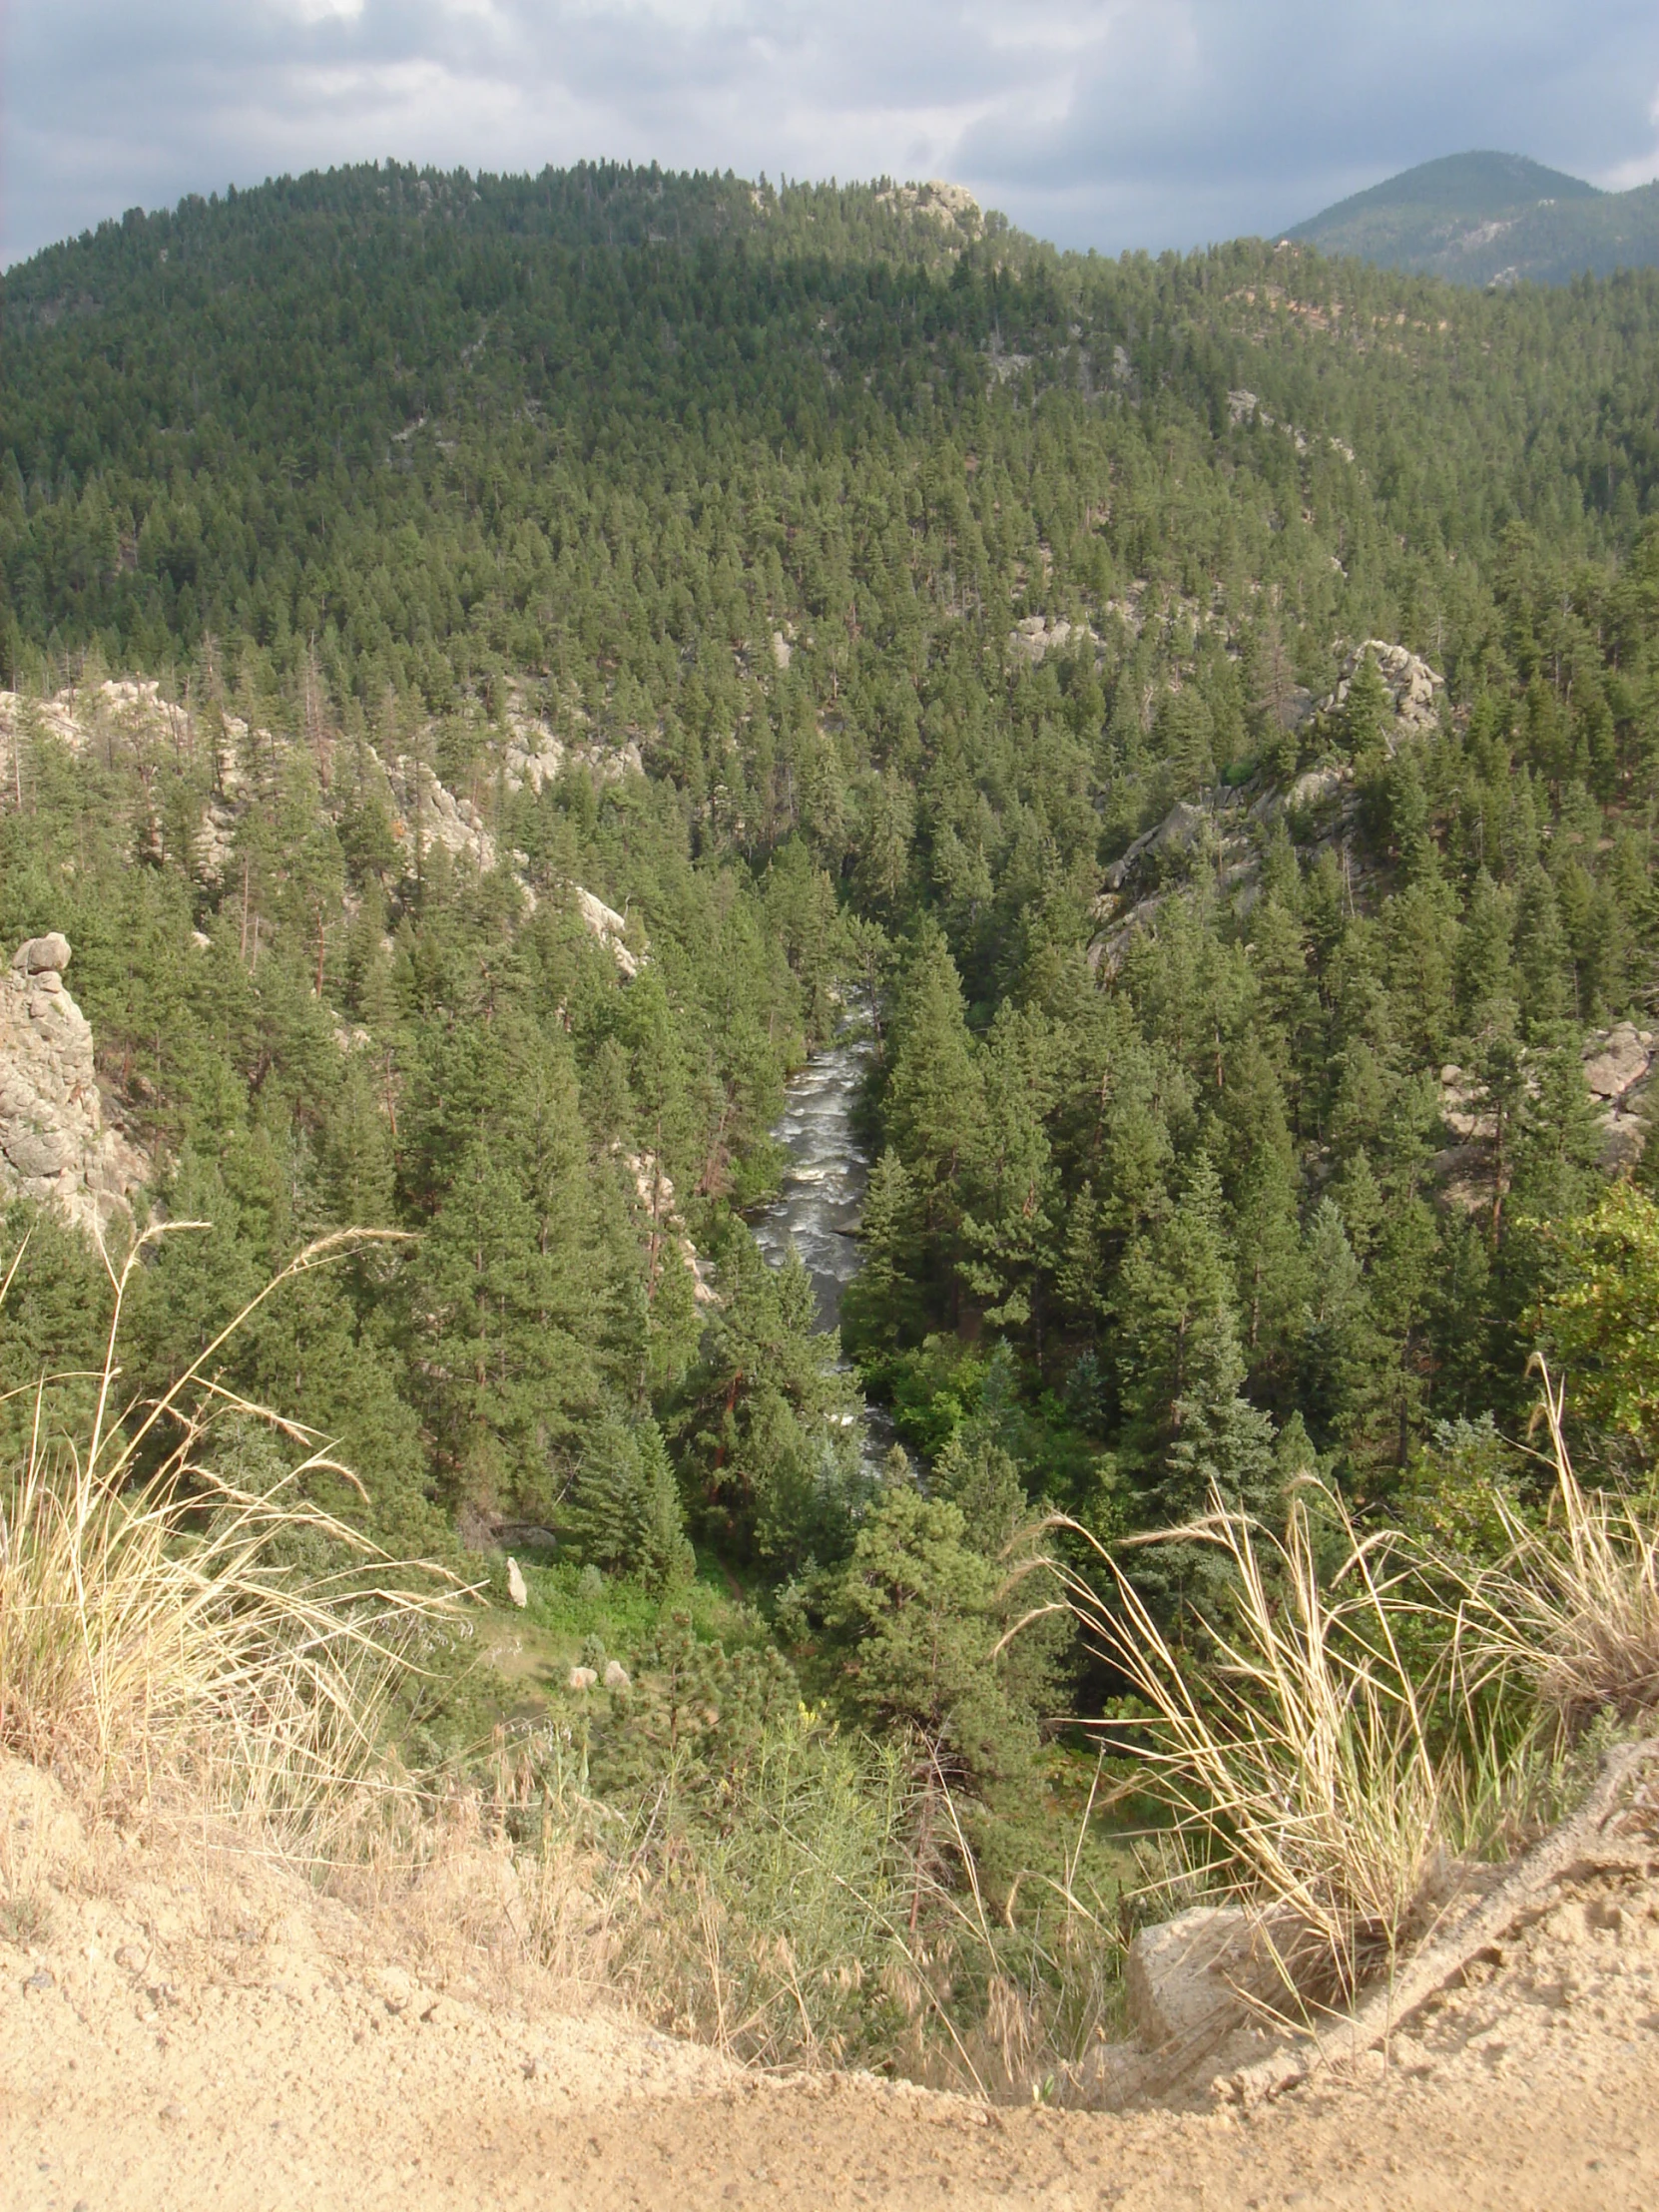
(130, 724)
(53, 1144)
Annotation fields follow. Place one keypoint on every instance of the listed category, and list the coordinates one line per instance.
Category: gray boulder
(48, 955)
(55, 1147)
(1175, 1978)
(1617, 1059)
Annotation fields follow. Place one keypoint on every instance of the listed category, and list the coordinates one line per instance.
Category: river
(818, 1200)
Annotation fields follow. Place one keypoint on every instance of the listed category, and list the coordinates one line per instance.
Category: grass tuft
(1573, 1612)
(1294, 1756)
(148, 1625)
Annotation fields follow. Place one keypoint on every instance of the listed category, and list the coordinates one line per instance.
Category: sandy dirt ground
(172, 2039)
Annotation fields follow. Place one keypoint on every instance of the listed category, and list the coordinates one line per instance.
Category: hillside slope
(187, 2027)
(1480, 218)
(496, 667)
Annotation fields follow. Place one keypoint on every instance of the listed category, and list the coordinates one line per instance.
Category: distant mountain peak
(1482, 218)
(1474, 186)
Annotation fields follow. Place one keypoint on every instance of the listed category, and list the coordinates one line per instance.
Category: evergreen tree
(917, 1605)
(623, 1512)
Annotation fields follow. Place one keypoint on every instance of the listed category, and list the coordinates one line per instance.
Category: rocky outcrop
(938, 201)
(1618, 1072)
(1321, 802)
(1134, 892)
(132, 726)
(439, 817)
(535, 753)
(1181, 829)
(655, 1188)
(610, 927)
(1411, 684)
(1244, 407)
(1033, 636)
(54, 1145)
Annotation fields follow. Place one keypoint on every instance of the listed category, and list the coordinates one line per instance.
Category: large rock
(46, 956)
(1618, 1069)
(1616, 1060)
(1176, 1976)
(1180, 829)
(610, 927)
(1037, 635)
(1313, 792)
(1411, 686)
(54, 1146)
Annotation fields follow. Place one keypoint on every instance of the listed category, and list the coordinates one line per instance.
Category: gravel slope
(179, 2034)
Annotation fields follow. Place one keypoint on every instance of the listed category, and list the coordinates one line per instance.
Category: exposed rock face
(1618, 1068)
(54, 1146)
(1179, 831)
(1411, 686)
(536, 752)
(1616, 1060)
(455, 823)
(132, 725)
(1313, 791)
(610, 927)
(1105, 955)
(656, 1194)
(1324, 795)
(1034, 636)
(938, 201)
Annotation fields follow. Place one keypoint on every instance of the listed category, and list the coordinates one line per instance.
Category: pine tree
(1173, 1294)
(1368, 712)
(916, 1607)
(1222, 1447)
(1336, 1351)
(623, 1511)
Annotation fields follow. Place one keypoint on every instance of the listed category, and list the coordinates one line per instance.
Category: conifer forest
(501, 673)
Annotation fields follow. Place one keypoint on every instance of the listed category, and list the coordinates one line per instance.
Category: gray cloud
(1106, 123)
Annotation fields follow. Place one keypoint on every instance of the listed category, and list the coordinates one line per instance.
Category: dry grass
(1295, 1759)
(149, 1630)
(793, 1926)
(1342, 1742)
(1574, 1612)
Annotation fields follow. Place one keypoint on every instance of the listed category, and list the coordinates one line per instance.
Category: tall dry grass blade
(1573, 1612)
(148, 1623)
(1294, 1764)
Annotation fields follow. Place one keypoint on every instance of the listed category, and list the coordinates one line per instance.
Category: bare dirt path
(161, 2047)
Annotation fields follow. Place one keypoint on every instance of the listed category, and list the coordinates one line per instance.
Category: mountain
(1481, 218)
(497, 673)
(498, 670)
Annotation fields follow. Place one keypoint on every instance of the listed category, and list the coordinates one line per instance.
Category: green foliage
(768, 1420)
(703, 546)
(918, 1604)
(623, 1513)
(1604, 1317)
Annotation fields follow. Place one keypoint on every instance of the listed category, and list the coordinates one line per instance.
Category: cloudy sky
(1106, 123)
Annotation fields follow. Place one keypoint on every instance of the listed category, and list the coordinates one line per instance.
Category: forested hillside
(840, 589)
